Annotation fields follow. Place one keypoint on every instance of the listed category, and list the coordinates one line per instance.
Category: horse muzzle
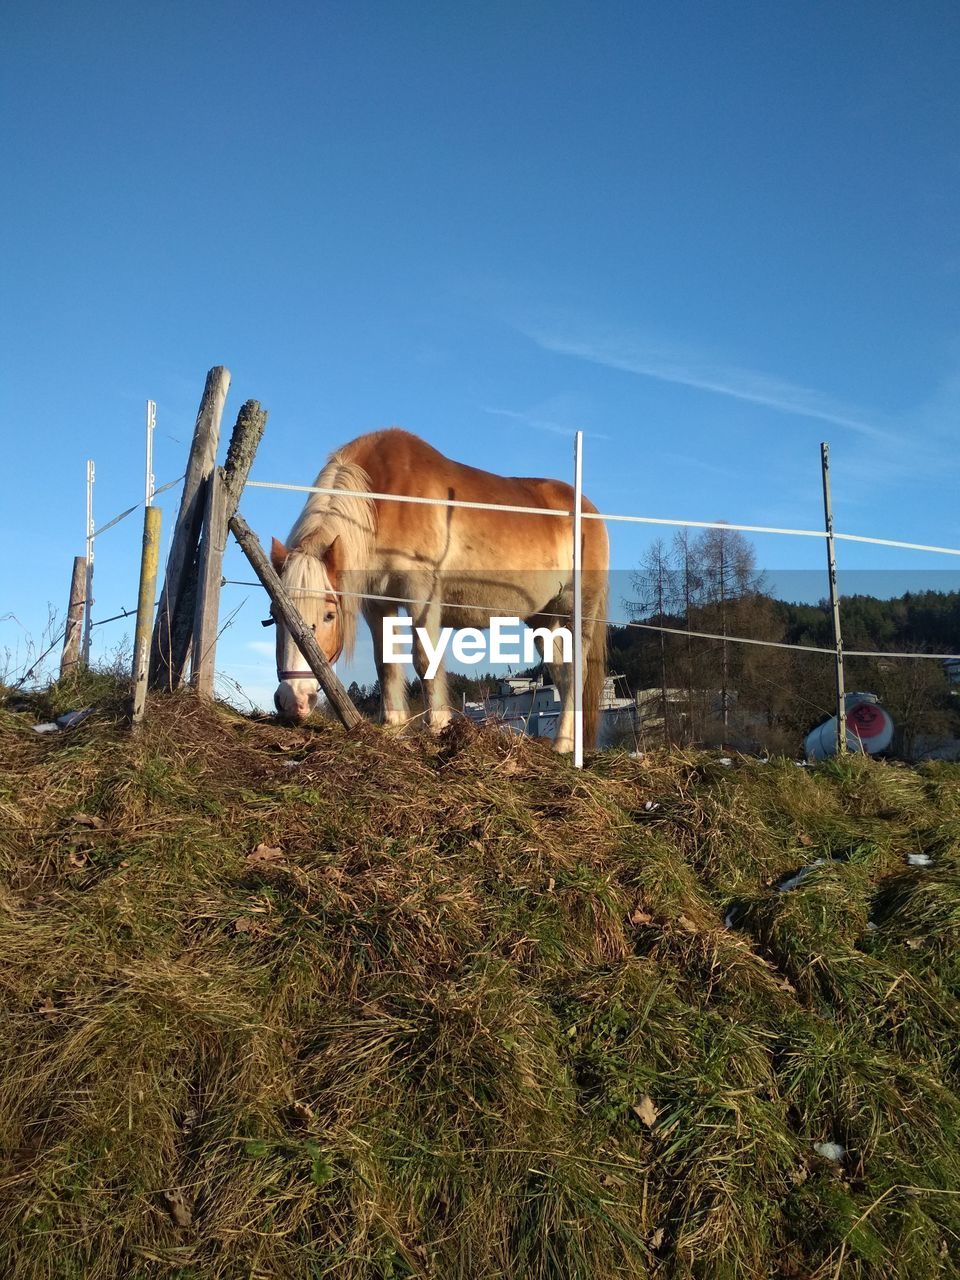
(296, 696)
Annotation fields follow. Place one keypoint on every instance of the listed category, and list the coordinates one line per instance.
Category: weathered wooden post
(74, 632)
(173, 632)
(247, 434)
(210, 568)
(149, 562)
(305, 640)
(223, 494)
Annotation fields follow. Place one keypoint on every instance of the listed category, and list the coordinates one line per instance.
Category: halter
(308, 675)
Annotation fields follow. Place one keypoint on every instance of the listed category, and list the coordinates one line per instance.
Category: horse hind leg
(438, 711)
(561, 673)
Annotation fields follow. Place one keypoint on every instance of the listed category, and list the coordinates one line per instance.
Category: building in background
(530, 706)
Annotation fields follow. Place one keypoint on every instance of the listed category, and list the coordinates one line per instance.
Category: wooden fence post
(173, 631)
(305, 640)
(223, 494)
(149, 562)
(74, 632)
(210, 571)
(244, 442)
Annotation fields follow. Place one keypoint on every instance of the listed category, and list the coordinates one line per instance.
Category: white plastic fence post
(577, 601)
(149, 480)
(88, 590)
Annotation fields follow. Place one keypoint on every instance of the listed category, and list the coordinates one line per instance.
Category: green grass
(479, 1017)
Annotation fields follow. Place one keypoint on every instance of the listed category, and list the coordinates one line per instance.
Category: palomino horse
(460, 566)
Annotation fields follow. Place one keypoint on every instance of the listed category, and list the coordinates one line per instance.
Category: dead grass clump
(302, 1003)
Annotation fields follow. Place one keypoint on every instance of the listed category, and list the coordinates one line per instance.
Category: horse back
(398, 462)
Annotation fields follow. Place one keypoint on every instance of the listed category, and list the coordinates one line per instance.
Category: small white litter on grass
(919, 859)
(66, 721)
(70, 718)
(650, 805)
(830, 1150)
(726, 762)
(793, 881)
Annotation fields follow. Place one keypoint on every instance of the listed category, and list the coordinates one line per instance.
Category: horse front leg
(393, 681)
(435, 687)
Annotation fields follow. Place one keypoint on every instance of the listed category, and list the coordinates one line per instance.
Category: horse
(348, 555)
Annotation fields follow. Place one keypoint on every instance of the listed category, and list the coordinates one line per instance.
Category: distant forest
(714, 691)
(745, 695)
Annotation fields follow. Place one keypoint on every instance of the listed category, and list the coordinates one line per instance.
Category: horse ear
(333, 560)
(278, 555)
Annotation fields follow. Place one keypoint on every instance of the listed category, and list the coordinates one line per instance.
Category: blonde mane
(344, 516)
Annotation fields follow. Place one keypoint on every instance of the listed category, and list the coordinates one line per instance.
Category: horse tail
(596, 637)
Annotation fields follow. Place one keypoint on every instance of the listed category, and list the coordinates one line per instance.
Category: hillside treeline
(752, 696)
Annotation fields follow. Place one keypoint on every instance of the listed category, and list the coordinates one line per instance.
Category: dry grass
(468, 1014)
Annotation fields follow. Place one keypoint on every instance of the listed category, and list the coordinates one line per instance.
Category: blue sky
(708, 236)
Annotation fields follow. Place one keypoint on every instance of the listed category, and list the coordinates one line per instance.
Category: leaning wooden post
(149, 562)
(247, 434)
(834, 600)
(74, 632)
(173, 631)
(304, 638)
(223, 494)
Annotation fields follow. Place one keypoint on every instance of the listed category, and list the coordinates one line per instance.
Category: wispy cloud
(711, 468)
(543, 424)
(267, 647)
(632, 354)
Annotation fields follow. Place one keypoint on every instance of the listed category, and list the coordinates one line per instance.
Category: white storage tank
(869, 728)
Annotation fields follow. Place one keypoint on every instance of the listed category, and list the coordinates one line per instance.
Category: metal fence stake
(834, 600)
(149, 480)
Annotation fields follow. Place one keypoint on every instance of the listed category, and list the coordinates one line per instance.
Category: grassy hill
(286, 1003)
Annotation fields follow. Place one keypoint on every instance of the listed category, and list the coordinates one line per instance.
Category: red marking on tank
(866, 721)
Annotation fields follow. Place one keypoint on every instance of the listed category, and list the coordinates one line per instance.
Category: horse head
(310, 578)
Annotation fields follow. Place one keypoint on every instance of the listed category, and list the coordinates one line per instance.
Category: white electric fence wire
(136, 507)
(642, 626)
(585, 515)
(598, 515)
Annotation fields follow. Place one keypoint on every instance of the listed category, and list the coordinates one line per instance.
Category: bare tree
(728, 568)
(688, 590)
(653, 585)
